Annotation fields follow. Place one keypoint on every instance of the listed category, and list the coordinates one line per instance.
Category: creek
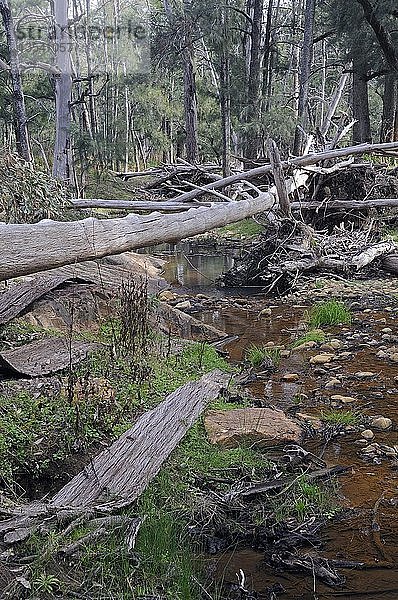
(366, 529)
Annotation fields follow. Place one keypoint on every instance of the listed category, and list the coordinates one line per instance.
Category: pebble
(321, 359)
(368, 434)
(167, 295)
(333, 383)
(336, 344)
(365, 374)
(382, 423)
(386, 330)
(343, 399)
(291, 377)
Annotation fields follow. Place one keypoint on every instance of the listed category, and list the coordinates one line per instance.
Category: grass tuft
(257, 355)
(315, 335)
(331, 312)
(340, 417)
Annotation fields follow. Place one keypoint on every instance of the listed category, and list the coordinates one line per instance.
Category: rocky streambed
(343, 393)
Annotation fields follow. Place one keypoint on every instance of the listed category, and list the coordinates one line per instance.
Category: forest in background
(222, 78)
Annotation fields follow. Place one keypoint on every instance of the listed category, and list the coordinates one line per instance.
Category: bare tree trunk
(390, 99)
(361, 132)
(225, 95)
(20, 126)
(63, 91)
(254, 84)
(190, 98)
(305, 73)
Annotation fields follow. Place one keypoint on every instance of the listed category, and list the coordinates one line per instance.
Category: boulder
(368, 434)
(263, 427)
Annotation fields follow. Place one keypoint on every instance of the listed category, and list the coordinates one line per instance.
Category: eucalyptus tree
(14, 69)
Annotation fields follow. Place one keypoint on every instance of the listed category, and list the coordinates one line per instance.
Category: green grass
(256, 355)
(248, 228)
(331, 312)
(340, 417)
(315, 335)
(305, 499)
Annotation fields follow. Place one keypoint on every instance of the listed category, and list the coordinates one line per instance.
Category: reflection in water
(192, 266)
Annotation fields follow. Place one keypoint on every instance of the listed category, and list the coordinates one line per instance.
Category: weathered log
(16, 298)
(136, 205)
(119, 475)
(390, 263)
(277, 172)
(44, 356)
(346, 204)
(30, 248)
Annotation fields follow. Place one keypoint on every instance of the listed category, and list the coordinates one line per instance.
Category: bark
(390, 103)
(361, 132)
(225, 95)
(20, 121)
(305, 73)
(254, 84)
(63, 91)
(190, 97)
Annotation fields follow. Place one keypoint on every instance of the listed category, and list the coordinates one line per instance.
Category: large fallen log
(30, 248)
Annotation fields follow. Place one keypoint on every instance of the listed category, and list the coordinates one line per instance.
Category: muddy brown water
(369, 491)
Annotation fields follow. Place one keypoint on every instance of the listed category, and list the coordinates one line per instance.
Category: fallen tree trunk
(135, 204)
(30, 248)
(346, 204)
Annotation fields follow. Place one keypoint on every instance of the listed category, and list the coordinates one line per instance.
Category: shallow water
(368, 490)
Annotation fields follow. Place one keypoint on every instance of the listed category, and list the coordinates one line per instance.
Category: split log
(30, 248)
(136, 205)
(43, 357)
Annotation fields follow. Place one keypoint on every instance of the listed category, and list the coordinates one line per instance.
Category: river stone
(321, 359)
(266, 312)
(262, 426)
(368, 434)
(386, 330)
(167, 295)
(382, 423)
(291, 377)
(333, 383)
(336, 344)
(343, 399)
(365, 374)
